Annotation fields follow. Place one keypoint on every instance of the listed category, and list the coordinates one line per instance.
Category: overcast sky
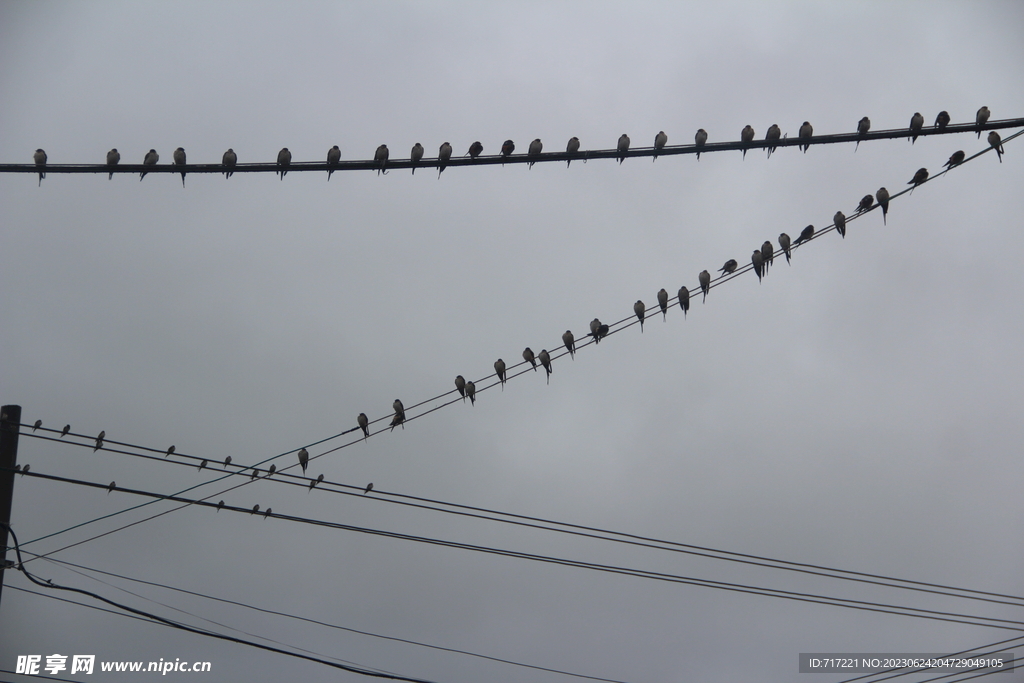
(859, 408)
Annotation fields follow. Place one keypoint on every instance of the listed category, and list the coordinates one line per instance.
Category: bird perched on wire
(227, 461)
(111, 486)
(255, 509)
(729, 267)
(499, 369)
(660, 140)
(415, 154)
(228, 161)
(534, 151)
(314, 482)
(64, 432)
(99, 441)
(113, 159)
(623, 146)
(507, 148)
(746, 135)
(303, 459)
(705, 283)
(942, 120)
(919, 177)
(773, 135)
(996, 143)
(784, 245)
(380, 157)
(545, 360)
(220, 504)
(170, 451)
(530, 358)
(598, 330)
(981, 119)
(179, 160)
(399, 417)
(863, 126)
(700, 139)
(684, 299)
(334, 156)
(570, 344)
(840, 220)
(767, 255)
(805, 234)
(364, 424)
(573, 147)
(471, 392)
(663, 303)
(641, 312)
(460, 385)
(270, 472)
(916, 124)
(806, 132)
(40, 158)
(883, 201)
(955, 159)
(475, 149)
(758, 262)
(284, 160)
(866, 202)
(149, 160)
(369, 487)
(37, 425)
(444, 153)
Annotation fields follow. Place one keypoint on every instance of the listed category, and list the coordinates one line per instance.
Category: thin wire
(914, 670)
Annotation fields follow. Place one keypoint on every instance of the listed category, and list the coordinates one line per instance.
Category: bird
(684, 299)
(269, 512)
(570, 344)
(149, 160)
(270, 472)
(303, 459)
(942, 120)
(767, 255)
(883, 201)
(545, 360)
(399, 417)
(746, 135)
(758, 262)
(805, 234)
(641, 312)
(699, 140)
(255, 509)
(255, 473)
(64, 432)
(228, 161)
(596, 330)
(705, 283)
(99, 441)
(471, 392)
(460, 384)
(24, 470)
(916, 124)
(284, 160)
(996, 143)
(170, 451)
(179, 160)
(475, 149)
(369, 487)
(955, 159)
(840, 220)
(530, 358)
(334, 156)
(919, 177)
(866, 202)
(507, 148)
(623, 146)
(863, 126)
(111, 486)
(729, 267)
(773, 135)
(499, 369)
(113, 158)
(40, 159)
(573, 147)
(220, 504)
(806, 132)
(204, 463)
(535, 147)
(37, 425)
(314, 482)
(364, 423)
(660, 140)
(663, 303)
(981, 118)
(444, 153)
(415, 155)
(784, 245)
(381, 158)
(227, 461)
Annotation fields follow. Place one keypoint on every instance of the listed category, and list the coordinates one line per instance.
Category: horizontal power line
(488, 160)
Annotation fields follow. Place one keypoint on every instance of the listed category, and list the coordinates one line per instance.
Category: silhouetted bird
(806, 132)
(545, 360)
(663, 303)
(996, 143)
(942, 120)
(758, 262)
(40, 158)
(535, 149)
(113, 159)
(471, 392)
(784, 245)
(475, 149)
(729, 267)
(530, 358)
(570, 344)
(641, 311)
(955, 159)
(179, 160)
(228, 161)
(334, 156)
(573, 147)
(981, 119)
(684, 299)
(866, 202)
(415, 154)
(700, 139)
(499, 369)
(364, 424)
(623, 146)
(460, 385)
(705, 283)
(303, 459)
(746, 135)
(805, 234)
(660, 140)
(150, 160)
(863, 126)
(773, 135)
(883, 200)
(840, 220)
(916, 124)
(380, 157)
(444, 153)
(919, 177)
(284, 160)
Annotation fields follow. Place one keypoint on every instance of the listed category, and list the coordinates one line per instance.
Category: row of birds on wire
(284, 158)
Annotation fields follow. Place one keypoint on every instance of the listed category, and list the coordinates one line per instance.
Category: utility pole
(10, 426)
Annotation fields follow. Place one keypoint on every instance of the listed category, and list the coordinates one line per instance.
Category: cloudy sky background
(858, 409)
